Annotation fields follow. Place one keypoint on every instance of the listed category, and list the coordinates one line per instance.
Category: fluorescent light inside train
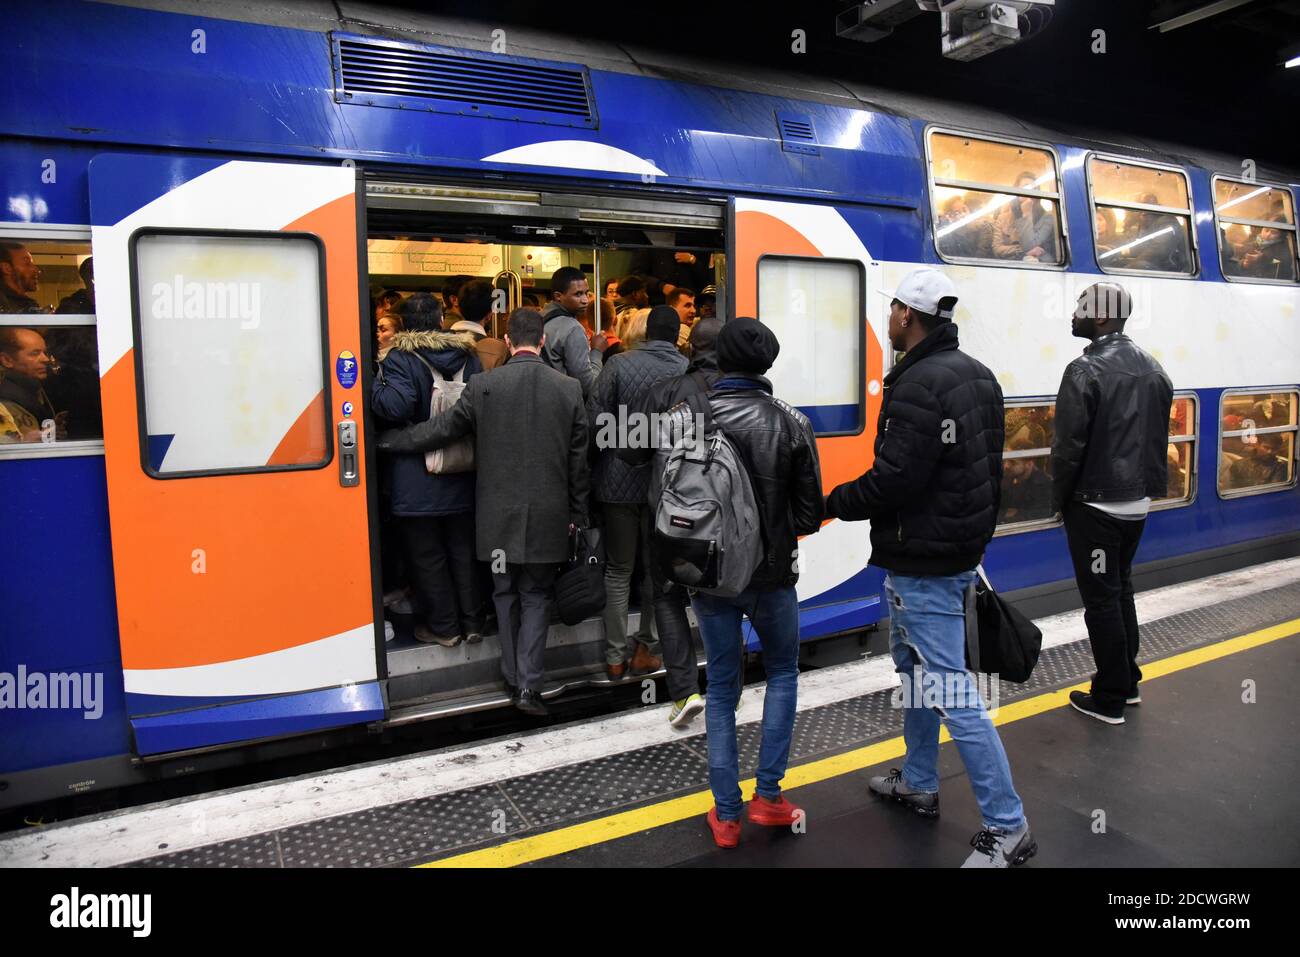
(1137, 242)
(1242, 199)
(994, 204)
(1294, 61)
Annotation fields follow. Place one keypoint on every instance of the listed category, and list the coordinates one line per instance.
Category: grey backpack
(706, 531)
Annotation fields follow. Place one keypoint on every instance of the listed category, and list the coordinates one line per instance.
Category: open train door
(802, 269)
(229, 347)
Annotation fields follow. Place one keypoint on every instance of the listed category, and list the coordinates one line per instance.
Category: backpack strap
(434, 374)
(698, 403)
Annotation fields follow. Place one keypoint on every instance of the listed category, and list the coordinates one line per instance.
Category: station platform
(1203, 773)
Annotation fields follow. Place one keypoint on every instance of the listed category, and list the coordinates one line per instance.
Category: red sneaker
(778, 813)
(725, 833)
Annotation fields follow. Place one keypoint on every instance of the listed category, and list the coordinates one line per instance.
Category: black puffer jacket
(776, 443)
(1112, 425)
(932, 493)
(624, 383)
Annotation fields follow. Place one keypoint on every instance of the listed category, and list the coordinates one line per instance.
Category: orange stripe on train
(759, 234)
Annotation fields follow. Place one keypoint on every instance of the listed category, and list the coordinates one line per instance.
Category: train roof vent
(415, 76)
(797, 133)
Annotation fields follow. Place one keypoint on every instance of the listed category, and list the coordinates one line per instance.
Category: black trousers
(522, 595)
(440, 562)
(1102, 550)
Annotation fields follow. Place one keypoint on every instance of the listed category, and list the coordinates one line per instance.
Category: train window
(1257, 230)
(994, 201)
(1180, 487)
(49, 388)
(809, 303)
(46, 276)
(49, 359)
(1257, 432)
(1142, 217)
(230, 352)
(1027, 467)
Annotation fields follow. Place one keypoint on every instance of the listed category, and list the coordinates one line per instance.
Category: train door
(437, 237)
(230, 350)
(802, 269)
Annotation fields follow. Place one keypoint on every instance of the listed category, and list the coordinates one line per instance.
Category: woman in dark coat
(434, 513)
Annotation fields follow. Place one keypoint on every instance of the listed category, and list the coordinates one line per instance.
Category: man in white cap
(932, 499)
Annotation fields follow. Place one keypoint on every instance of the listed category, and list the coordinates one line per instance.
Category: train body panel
(212, 124)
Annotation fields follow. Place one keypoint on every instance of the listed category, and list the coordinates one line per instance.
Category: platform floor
(1197, 775)
(1194, 778)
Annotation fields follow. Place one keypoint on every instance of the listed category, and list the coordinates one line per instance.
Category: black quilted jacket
(626, 381)
(932, 493)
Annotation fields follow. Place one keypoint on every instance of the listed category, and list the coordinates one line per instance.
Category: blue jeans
(927, 631)
(775, 617)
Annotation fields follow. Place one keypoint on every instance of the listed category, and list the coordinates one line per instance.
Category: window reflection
(976, 219)
(1027, 465)
(1128, 232)
(1251, 457)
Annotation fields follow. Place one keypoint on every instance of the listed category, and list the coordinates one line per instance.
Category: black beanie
(746, 345)
(663, 324)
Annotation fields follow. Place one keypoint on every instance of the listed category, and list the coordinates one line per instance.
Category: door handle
(349, 473)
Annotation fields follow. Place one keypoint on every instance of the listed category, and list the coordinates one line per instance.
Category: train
(203, 200)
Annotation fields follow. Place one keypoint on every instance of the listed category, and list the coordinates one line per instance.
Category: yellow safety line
(550, 843)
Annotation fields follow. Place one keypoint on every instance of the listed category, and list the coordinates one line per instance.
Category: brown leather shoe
(615, 672)
(643, 662)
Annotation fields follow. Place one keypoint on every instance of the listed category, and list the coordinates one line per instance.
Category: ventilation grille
(443, 80)
(797, 133)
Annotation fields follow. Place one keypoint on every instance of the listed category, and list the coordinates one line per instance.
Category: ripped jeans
(927, 629)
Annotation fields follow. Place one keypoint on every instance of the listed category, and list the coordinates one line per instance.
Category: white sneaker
(389, 632)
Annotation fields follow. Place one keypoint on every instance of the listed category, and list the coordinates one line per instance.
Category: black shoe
(1087, 704)
(993, 849)
(512, 690)
(530, 702)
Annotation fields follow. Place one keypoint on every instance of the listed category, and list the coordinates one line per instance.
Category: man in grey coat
(567, 349)
(530, 449)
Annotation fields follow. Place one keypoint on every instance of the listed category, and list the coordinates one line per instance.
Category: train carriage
(194, 534)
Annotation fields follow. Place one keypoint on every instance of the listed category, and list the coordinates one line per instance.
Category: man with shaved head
(1109, 459)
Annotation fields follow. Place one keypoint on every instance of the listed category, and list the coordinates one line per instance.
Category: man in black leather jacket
(776, 446)
(1109, 460)
(932, 498)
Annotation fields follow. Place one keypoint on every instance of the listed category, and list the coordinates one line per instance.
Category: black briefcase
(999, 639)
(580, 586)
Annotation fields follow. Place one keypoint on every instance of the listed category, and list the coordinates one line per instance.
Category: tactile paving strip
(428, 828)
(261, 850)
(606, 784)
